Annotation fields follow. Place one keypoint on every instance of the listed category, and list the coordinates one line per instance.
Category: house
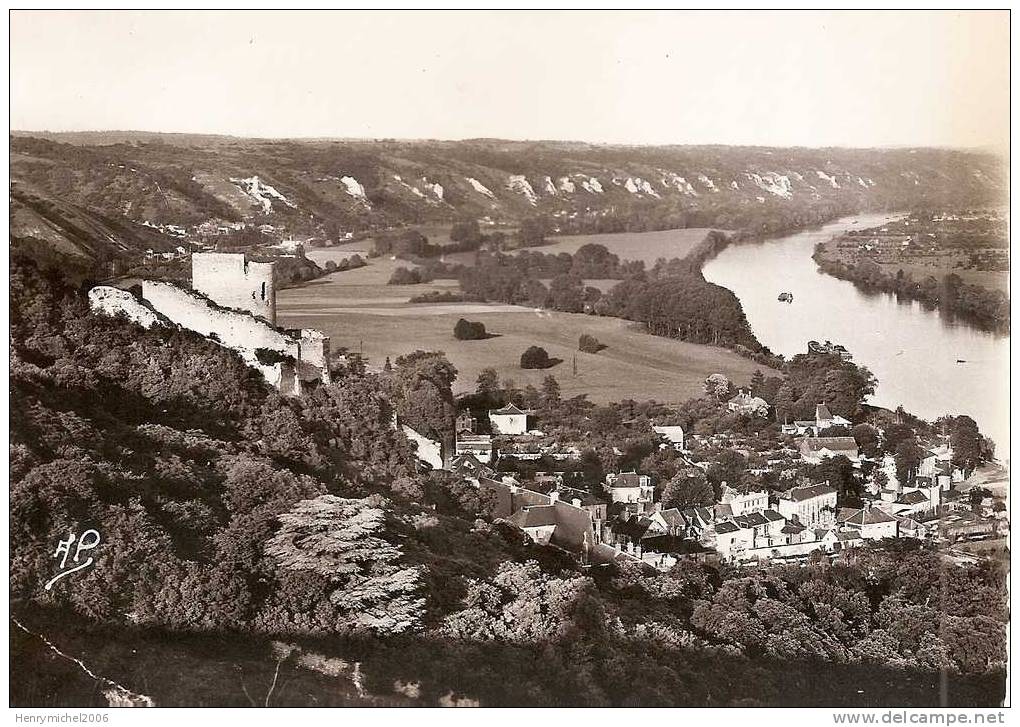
(815, 449)
(871, 523)
(470, 467)
(812, 505)
(911, 528)
(627, 530)
(825, 419)
(673, 436)
(478, 445)
(671, 521)
(795, 533)
(836, 540)
(509, 420)
(630, 487)
(466, 423)
(731, 539)
(744, 403)
(538, 521)
(744, 502)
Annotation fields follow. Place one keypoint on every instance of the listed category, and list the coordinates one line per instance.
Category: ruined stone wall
(114, 301)
(237, 331)
(314, 355)
(232, 281)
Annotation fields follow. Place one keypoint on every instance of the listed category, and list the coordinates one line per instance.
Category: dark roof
(870, 516)
(772, 516)
(673, 517)
(792, 528)
(672, 544)
(822, 412)
(799, 494)
(536, 516)
(508, 409)
(627, 479)
(723, 510)
(750, 520)
(914, 497)
(833, 444)
(726, 527)
(633, 527)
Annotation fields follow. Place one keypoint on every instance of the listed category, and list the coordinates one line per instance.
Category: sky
(857, 79)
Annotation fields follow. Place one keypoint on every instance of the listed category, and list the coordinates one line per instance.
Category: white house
(509, 420)
(744, 502)
(815, 449)
(812, 505)
(674, 436)
(630, 487)
(871, 523)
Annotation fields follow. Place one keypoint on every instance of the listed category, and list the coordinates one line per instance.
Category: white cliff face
(354, 188)
(566, 185)
(825, 177)
(433, 188)
(708, 183)
(675, 181)
(734, 184)
(592, 185)
(773, 183)
(479, 187)
(263, 194)
(519, 184)
(547, 186)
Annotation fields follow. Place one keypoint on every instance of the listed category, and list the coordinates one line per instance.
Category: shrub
(466, 330)
(535, 357)
(404, 276)
(589, 344)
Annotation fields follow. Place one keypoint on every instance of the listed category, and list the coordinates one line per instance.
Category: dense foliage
(229, 510)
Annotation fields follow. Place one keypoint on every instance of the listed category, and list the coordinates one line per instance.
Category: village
(232, 302)
(748, 527)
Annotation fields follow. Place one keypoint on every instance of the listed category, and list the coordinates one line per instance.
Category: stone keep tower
(232, 281)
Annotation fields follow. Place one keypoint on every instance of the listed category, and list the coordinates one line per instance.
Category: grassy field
(991, 279)
(646, 246)
(359, 311)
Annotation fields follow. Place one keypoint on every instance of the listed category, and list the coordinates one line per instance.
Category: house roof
(535, 516)
(750, 520)
(673, 517)
(726, 527)
(634, 527)
(627, 479)
(723, 510)
(870, 516)
(799, 494)
(914, 497)
(792, 528)
(833, 444)
(507, 410)
(672, 544)
(822, 412)
(772, 516)
(672, 433)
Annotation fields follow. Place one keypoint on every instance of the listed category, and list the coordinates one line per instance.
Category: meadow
(360, 312)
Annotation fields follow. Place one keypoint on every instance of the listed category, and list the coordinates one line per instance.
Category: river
(913, 352)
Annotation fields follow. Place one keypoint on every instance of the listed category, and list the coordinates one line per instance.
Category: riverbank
(976, 305)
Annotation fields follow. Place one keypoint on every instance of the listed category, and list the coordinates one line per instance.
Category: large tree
(689, 488)
(341, 541)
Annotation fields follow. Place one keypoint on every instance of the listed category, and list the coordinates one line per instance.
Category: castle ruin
(232, 302)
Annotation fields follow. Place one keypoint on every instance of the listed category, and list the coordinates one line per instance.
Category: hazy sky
(808, 79)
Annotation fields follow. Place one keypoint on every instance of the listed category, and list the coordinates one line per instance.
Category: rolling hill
(172, 185)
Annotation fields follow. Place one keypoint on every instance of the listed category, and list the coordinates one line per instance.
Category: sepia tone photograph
(421, 358)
